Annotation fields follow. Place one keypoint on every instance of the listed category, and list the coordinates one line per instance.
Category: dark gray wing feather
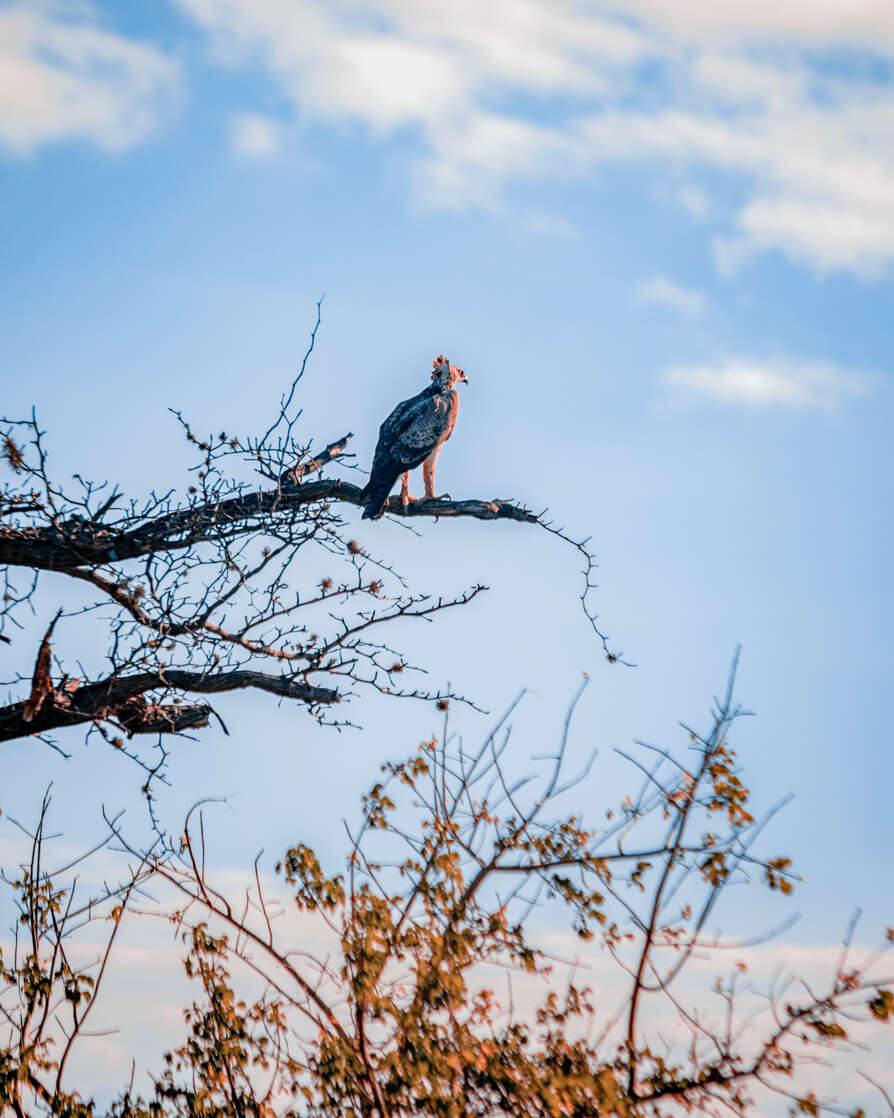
(406, 438)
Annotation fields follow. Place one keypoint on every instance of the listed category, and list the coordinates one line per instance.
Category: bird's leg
(428, 475)
(405, 497)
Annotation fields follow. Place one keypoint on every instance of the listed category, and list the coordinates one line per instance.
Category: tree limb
(78, 543)
(119, 698)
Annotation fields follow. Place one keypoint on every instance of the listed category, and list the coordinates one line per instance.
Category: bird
(414, 432)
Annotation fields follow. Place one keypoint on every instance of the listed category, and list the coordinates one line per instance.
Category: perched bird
(413, 433)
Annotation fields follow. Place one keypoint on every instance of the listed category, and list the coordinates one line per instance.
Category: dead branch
(119, 699)
(75, 544)
(210, 591)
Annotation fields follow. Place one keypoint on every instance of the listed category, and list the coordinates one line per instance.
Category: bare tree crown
(249, 579)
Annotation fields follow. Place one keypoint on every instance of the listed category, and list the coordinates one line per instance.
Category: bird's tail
(376, 494)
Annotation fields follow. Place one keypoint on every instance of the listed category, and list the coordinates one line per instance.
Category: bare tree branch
(220, 587)
(119, 699)
(75, 543)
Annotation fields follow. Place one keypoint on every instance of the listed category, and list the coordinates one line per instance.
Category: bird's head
(445, 375)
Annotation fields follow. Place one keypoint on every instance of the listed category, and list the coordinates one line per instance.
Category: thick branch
(80, 543)
(120, 698)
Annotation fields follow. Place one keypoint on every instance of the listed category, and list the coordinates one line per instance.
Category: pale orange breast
(451, 404)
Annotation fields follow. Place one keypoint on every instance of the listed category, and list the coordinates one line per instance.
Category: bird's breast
(448, 403)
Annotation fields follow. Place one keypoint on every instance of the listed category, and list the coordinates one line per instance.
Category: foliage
(432, 926)
(436, 994)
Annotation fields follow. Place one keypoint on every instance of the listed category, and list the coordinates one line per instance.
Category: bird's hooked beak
(461, 378)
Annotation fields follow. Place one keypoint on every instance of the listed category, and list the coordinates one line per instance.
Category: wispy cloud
(254, 136)
(482, 102)
(819, 231)
(663, 292)
(813, 145)
(68, 79)
(866, 23)
(822, 175)
(768, 383)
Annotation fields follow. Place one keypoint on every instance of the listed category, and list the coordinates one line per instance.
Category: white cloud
(738, 92)
(470, 160)
(429, 71)
(489, 94)
(70, 80)
(768, 383)
(825, 177)
(862, 22)
(254, 136)
(824, 232)
(664, 292)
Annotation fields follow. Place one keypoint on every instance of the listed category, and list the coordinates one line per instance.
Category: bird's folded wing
(426, 427)
(403, 415)
(415, 423)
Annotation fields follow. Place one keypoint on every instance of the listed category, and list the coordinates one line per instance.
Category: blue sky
(659, 238)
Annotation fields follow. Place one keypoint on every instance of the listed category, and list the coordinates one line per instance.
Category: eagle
(413, 433)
